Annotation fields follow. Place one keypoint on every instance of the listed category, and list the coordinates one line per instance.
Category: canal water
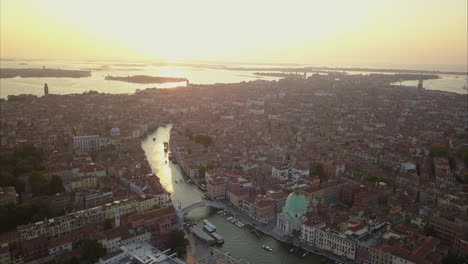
(241, 243)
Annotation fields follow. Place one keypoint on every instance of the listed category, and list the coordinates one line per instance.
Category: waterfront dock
(202, 235)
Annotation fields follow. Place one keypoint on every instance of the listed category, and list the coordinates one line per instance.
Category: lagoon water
(199, 74)
(99, 70)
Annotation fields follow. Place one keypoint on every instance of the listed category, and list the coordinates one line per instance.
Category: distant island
(145, 79)
(389, 77)
(338, 69)
(44, 72)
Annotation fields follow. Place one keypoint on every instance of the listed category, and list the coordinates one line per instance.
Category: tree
(73, 260)
(201, 171)
(21, 160)
(42, 212)
(438, 150)
(320, 171)
(7, 179)
(463, 179)
(38, 183)
(177, 241)
(11, 216)
(465, 158)
(91, 251)
(56, 185)
(189, 133)
(209, 166)
(460, 150)
(203, 140)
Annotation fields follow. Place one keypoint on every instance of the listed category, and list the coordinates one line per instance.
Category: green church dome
(296, 203)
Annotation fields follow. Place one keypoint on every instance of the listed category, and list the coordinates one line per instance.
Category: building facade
(88, 143)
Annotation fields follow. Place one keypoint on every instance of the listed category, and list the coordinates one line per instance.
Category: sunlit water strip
(182, 193)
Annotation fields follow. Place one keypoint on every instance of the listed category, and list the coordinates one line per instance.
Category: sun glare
(297, 31)
(170, 71)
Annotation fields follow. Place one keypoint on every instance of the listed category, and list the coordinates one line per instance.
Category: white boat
(218, 237)
(208, 228)
(203, 235)
(267, 248)
(210, 225)
(240, 223)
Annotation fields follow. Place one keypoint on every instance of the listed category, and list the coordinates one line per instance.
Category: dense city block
(352, 167)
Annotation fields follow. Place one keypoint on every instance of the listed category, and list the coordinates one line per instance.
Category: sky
(315, 32)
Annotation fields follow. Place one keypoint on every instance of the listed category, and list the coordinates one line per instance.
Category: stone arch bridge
(181, 212)
(203, 204)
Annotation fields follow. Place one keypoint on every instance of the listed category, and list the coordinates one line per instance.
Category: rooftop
(140, 253)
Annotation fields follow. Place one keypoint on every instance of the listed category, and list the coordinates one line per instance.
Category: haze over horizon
(390, 34)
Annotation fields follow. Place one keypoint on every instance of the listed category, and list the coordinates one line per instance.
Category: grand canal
(240, 243)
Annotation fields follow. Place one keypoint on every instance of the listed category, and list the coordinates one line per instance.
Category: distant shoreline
(38, 73)
(395, 77)
(299, 67)
(327, 69)
(145, 79)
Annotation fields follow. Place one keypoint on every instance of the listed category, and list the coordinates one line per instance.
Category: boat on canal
(208, 229)
(219, 239)
(207, 223)
(203, 236)
(267, 248)
(240, 224)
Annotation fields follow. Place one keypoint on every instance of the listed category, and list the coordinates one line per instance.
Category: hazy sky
(333, 32)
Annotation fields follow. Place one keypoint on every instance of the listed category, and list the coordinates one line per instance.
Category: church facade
(293, 215)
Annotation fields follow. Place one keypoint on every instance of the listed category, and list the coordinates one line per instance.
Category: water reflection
(157, 158)
(172, 85)
(170, 71)
(183, 194)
